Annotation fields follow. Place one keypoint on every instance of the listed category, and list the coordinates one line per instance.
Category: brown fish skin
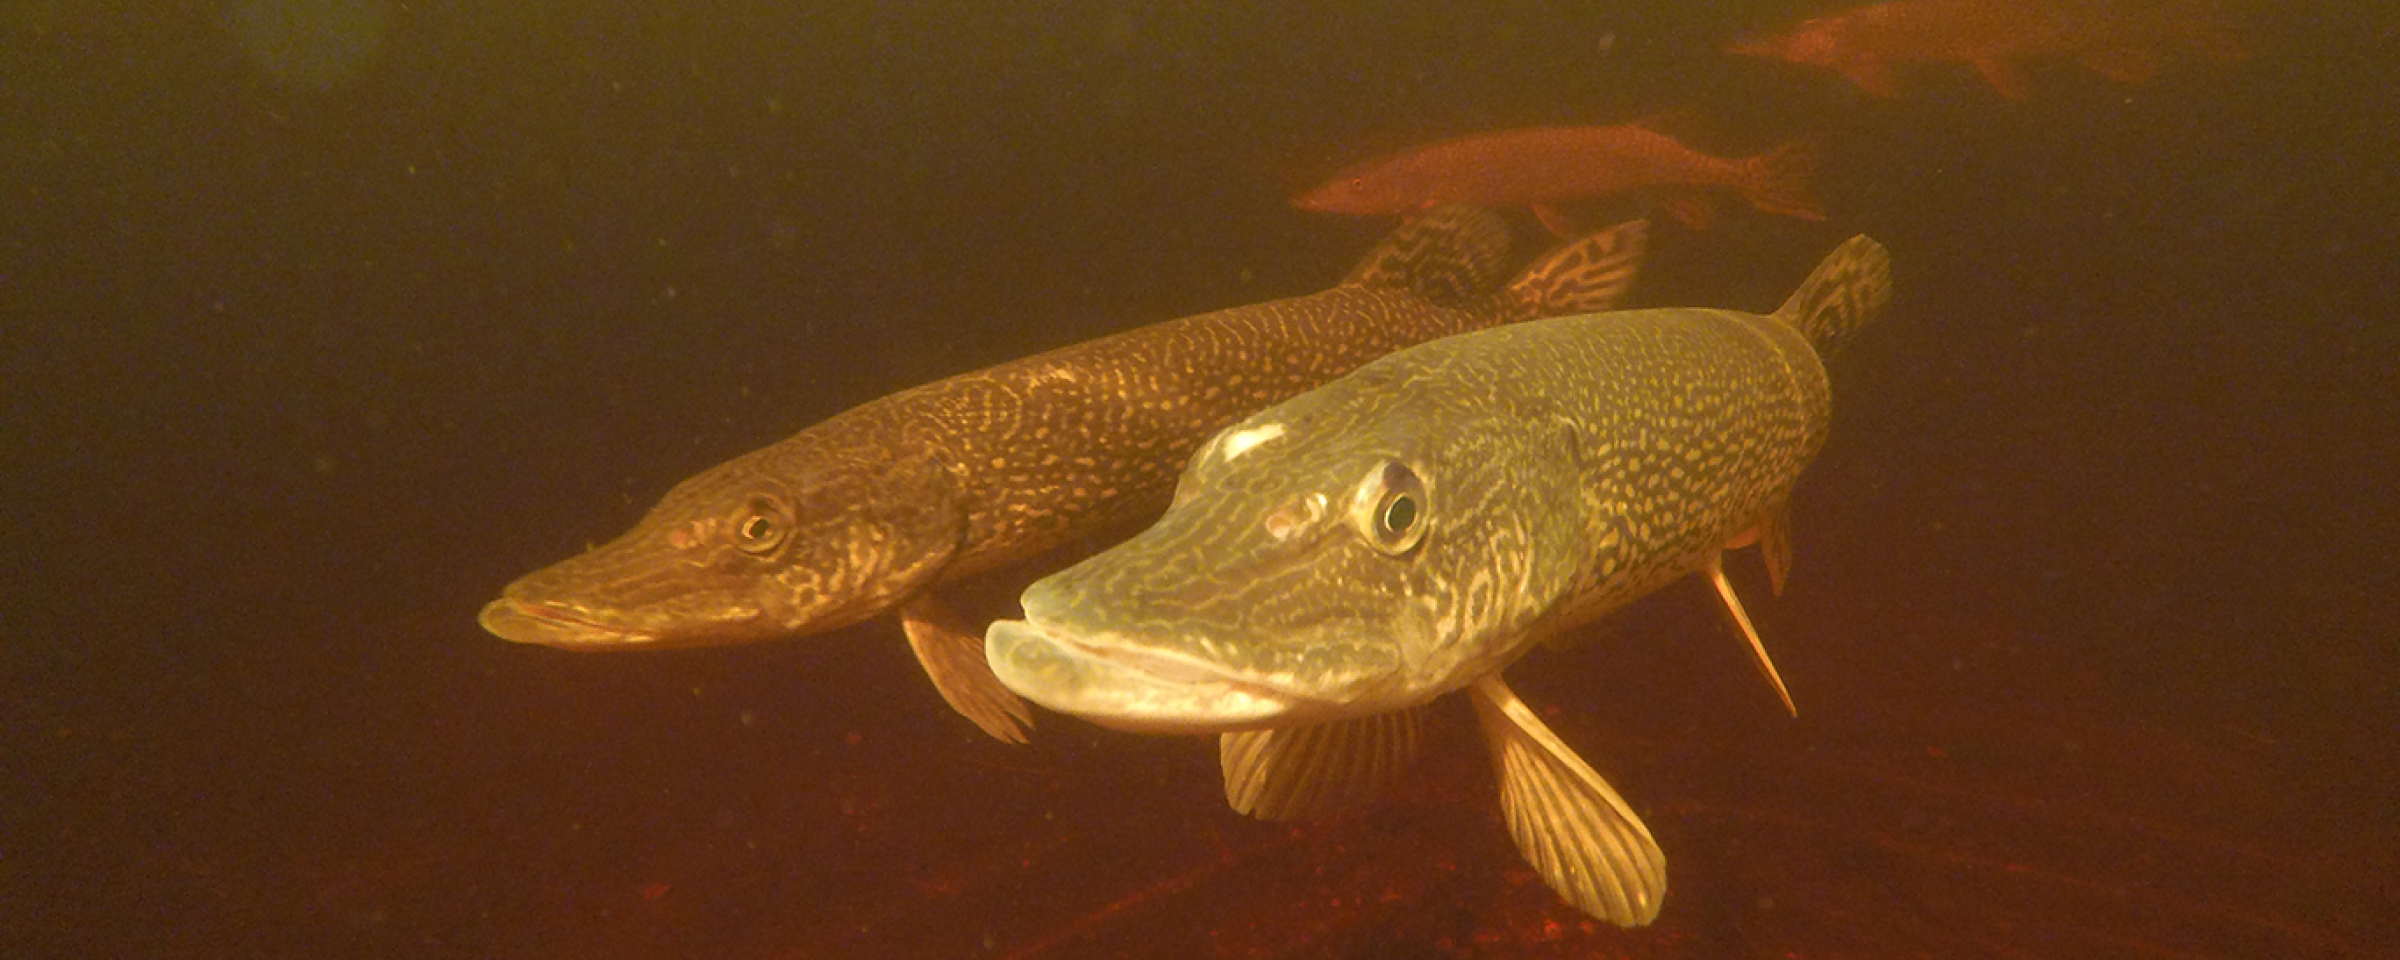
(877, 507)
(1543, 166)
(2123, 42)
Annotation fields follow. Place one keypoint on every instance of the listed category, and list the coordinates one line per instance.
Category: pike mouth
(555, 625)
(1141, 691)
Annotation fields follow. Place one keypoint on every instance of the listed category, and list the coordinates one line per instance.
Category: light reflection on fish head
(1354, 564)
(769, 545)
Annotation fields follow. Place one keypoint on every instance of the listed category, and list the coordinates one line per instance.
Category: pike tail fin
(1586, 276)
(1450, 256)
(1778, 181)
(1847, 292)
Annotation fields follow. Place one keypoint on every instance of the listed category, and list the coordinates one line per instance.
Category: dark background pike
(291, 380)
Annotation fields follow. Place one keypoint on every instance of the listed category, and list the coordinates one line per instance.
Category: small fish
(1335, 562)
(1542, 167)
(880, 506)
(2122, 42)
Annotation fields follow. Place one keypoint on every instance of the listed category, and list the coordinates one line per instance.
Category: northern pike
(2120, 41)
(1541, 167)
(880, 506)
(1335, 562)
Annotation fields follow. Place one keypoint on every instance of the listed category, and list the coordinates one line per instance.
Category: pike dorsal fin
(1567, 821)
(1450, 255)
(1300, 773)
(1587, 276)
(1848, 291)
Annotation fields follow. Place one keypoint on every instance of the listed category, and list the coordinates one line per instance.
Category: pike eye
(1394, 518)
(761, 527)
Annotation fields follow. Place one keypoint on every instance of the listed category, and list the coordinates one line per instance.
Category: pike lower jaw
(1137, 693)
(552, 625)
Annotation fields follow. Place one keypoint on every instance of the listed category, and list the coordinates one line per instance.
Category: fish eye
(1395, 515)
(761, 527)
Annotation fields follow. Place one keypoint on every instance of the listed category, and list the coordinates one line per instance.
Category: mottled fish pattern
(877, 507)
(1336, 561)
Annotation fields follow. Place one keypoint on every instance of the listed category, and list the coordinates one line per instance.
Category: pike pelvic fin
(1587, 276)
(1849, 290)
(1775, 544)
(1741, 620)
(1568, 822)
(1301, 773)
(1449, 256)
(953, 657)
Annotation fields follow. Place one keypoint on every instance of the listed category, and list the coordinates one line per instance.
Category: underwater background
(320, 320)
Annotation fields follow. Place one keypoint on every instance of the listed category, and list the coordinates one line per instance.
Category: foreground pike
(879, 506)
(1542, 167)
(1334, 562)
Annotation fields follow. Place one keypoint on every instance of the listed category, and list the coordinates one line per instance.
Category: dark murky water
(321, 320)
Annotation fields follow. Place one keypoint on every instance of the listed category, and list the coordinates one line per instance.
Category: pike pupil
(1399, 514)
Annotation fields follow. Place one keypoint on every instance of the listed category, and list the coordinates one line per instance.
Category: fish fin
(1847, 291)
(1693, 208)
(1554, 220)
(1450, 255)
(1300, 773)
(953, 657)
(1586, 276)
(2122, 64)
(1872, 75)
(1773, 535)
(2005, 76)
(1778, 181)
(1578, 834)
(1741, 619)
(1775, 544)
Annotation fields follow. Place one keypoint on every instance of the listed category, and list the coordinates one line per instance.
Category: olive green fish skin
(1568, 466)
(988, 468)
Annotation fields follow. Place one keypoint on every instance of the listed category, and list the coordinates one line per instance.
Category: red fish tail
(1778, 181)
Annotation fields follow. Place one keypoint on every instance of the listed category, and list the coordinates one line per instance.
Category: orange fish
(1544, 166)
(2122, 42)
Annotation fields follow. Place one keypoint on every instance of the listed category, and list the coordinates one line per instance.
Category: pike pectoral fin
(953, 657)
(1297, 773)
(1741, 618)
(1567, 821)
